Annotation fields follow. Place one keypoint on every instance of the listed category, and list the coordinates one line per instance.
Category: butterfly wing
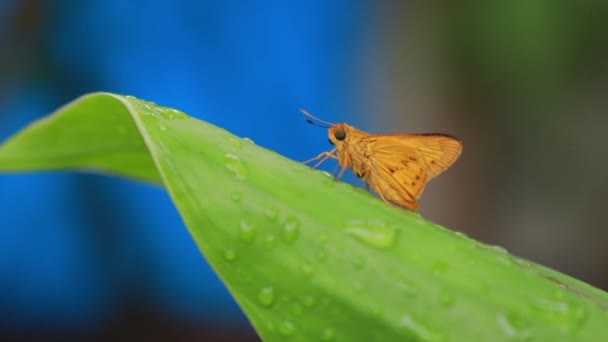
(402, 164)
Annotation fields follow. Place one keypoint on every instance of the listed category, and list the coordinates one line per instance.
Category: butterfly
(395, 166)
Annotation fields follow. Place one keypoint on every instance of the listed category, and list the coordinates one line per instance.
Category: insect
(396, 166)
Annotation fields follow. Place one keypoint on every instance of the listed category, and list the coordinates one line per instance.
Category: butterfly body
(396, 166)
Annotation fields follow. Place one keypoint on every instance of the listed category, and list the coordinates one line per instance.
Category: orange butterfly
(396, 166)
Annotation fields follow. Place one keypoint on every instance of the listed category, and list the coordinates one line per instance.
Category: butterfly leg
(341, 173)
(376, 190)
(384, 199)
(323, 157)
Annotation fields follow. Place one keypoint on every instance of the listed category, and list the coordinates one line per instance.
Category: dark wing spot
(413, 158)
(417, 177)
(413, 183)
(432, 162)
(392, 170)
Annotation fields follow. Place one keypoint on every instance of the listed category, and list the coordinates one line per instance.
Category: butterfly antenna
(316, 124)
(329, 124)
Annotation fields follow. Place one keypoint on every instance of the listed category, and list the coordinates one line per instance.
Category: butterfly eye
(331, 142)
(340, 134)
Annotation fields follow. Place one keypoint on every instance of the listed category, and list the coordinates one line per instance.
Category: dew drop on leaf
(235, 166)
(173, 114)
(266, 297)
(287, 328)
(568, 315)
(271, 214)
(291, 229)
(374, 233)
(270, 241)
(247, 231)
(230, 254)
(232, 140)
(513, 326)
(423, 332)
(236, 197)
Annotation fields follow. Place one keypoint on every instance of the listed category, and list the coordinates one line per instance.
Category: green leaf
(308, 258)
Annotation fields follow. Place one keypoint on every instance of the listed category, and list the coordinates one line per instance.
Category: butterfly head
(338, 133)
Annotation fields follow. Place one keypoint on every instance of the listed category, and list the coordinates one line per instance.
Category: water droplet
(446, 299)
(321, 254)
(461, 234)
(497, 249)
(328, 335)
(162, 127)
(291, 229)
(232, 140)
(500, 253)
(309, 301)
(307, 269)
(246, 231)
(230, 254)
(271, 214)
(374, 233)
(249, 140)
(559, 293)
(423, 332)
(287, 328)
(236, 197)
(266, 297)
(176, 114)
(236, 166)
(521, 263)
(270, 241)
(568, 315)
(513, 326)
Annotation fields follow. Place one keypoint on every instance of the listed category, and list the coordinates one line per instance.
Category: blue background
(81, 256)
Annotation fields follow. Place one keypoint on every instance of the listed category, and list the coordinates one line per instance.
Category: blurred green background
(522, 84)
